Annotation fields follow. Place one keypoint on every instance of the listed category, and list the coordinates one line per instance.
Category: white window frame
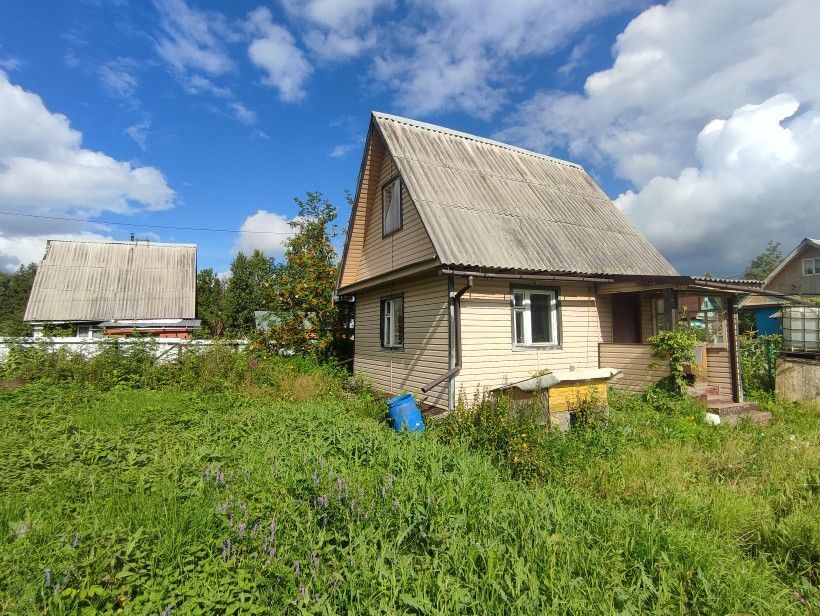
(813, 268)
(525, 310)
(391, 208)
(392, 325)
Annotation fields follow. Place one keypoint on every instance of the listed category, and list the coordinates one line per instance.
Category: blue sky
(700, 119)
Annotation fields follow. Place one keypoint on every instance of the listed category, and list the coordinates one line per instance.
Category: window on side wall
(391, 207)
(811, 267)
(392, 322)
(534, 317)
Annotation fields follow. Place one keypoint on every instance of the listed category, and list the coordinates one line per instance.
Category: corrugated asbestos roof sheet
(103, 281)
(486, 204)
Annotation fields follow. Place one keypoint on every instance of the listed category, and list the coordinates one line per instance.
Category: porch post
(670, 308)
(737, 386)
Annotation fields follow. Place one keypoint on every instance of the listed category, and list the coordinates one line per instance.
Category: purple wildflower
(226, 549)
(241, 529)
(297, 567)
(314, 559)
(76, 541)
(322, 502)
(166, 611)
(302, 589)
(220, 477)
(316, 481)
(47, 577)
(272, 553)
(207, 474)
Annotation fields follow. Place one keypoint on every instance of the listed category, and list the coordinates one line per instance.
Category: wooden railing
(634, 361)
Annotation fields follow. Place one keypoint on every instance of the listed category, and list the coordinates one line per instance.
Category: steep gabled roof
(102, 281)
(489, 205)
(790, 257)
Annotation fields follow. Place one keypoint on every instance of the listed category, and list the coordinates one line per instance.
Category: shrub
(757, 357)
(677, 346)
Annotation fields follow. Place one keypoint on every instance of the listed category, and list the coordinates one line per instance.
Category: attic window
(391, 207)
(811, 267)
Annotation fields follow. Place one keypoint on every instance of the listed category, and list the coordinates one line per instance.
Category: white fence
(165, 349)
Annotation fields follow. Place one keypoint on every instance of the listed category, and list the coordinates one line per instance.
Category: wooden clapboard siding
(605, 313)
(646, 317)
(371, 171)
(488, 358)
(633, 360)
(409, 245)
(719, 369)
(426, 338)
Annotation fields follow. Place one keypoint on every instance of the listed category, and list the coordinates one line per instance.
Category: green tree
(15, 288)
(304, 290)
(248, 289)
(210, 302)
(764, 263)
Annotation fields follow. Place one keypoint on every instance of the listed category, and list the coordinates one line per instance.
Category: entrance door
(626, 317)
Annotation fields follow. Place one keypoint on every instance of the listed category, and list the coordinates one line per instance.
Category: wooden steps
(725, 409)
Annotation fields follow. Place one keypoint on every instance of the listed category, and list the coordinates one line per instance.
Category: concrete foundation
(798, 379)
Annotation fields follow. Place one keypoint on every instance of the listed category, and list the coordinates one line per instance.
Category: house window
(391, 207)
(88, 331)
(811, 267)
(658, 315)
(535, 317)
(702, 314)
(392, 322)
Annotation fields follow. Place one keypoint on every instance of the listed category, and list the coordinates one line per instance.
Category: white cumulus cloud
(274, 50)
(45, 170)
(265, 231)
(458, 55)
(192, 39)
(689, 114)
(757, 178)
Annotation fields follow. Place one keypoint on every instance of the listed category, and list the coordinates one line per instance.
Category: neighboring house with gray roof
(797, 276)
(115, 289)
(474, 264)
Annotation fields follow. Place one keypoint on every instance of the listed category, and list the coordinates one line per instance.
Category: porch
(639, 310)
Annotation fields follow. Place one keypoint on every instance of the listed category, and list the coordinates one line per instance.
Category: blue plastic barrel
(405, 413)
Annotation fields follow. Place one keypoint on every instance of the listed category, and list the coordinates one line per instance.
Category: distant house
(476, 265)
(115, 289)
(798, 276)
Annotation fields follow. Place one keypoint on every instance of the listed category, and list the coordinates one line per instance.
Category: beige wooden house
(475, 264)
(797, 277)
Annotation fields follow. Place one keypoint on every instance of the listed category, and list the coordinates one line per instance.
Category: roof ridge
(124, 242)
(456, 133)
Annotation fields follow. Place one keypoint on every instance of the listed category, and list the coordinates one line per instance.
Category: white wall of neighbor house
(425, 355)
(489, 358)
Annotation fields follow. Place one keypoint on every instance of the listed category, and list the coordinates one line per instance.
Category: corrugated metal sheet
(490, 205)
(102, 281)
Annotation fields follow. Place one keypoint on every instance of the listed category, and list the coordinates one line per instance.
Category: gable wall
(409, 245)
(488, 359)
(426, 338)
(791, 278)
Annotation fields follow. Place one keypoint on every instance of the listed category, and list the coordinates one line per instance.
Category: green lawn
(137, 500)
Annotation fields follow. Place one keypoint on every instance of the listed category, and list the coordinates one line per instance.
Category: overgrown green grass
(135, 500)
